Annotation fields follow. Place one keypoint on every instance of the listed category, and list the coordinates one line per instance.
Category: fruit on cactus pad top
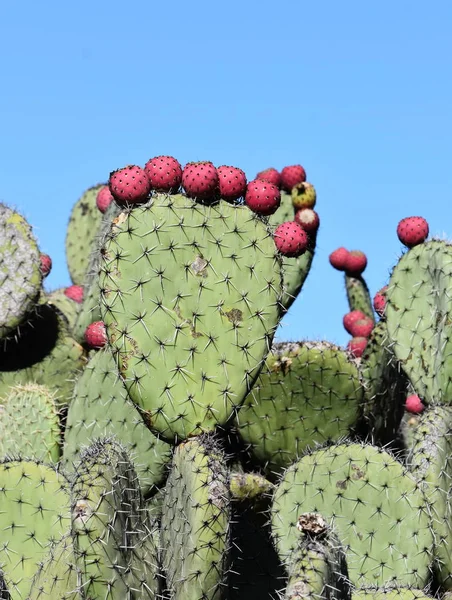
(200, 180)
(304, 195)
(46, 264)
(292, 175)
(104, 198)
(379, 301)
(356, 262)
(164, 173)
(74, 292)
(308, 219)
(412, 231)
(271, 175)
(350, 318)
(357, 345)
(232, 182)
(129, 185)
(338, 258)
(96, 335)
(262, 197)
(413, 404)
(291, 239)
(362, 327)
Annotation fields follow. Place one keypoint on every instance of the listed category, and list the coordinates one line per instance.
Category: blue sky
(359, 93)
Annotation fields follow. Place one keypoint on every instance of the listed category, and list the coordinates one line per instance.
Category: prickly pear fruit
(304, 195)
(308, 219)
(129, 185)
(379, 301)
(413, 404)
(292, 175)
(232, 182)
(271, 175)
(200, 180)
(338, 258)
(104, 198)
(412, 231)
(262, 197)
(356, 262)
(74, 292)
(291, 239)
(95, 335)
(356, 346)
(362, 327)
(164, 173)
(350, 319)
(46, 264)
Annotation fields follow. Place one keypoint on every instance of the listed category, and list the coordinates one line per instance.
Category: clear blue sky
(359, 93)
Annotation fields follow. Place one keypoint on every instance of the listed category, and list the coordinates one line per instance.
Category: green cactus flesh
(248, 486)
(42, 352)
(68, 307)
(295, 270)
(419, 317)
(30, 424)
(35, 511)
(20, 274)
(358, 295)
(100, 408)
(429, 458)
(396, 593)
(57, 577)
(385, 387)
(81, 234)
(109, 529)
(308, 393)
(195, 522)
(190, 298)
(374, 506)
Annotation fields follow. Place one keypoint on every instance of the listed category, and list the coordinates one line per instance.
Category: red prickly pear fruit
(262, 197)
(164, 173)
(104, 198)
(362, 327)
(232, 182)
(291, 239)
(271, 175)
(356, 346)
(46, 264)
(292, 175)
(380, 301)
(304, 195)
(129, 185)
(412, 231)
(351, 318)
(308, 219)
(413, 404)
(356, 262)
(200, 180)
(338, 258)
(96, 335)
(74, 292)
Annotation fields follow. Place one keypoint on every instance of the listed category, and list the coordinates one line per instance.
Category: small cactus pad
(99, 409)
(30, 424)
(81, 234)
(35, 511)
(20, 272)
(195, 522)
(109, 528)
(295, 270)
(190, 298)
(419, 317)
(374, 506)
(358, 295)
(68, 307)
(307, 394)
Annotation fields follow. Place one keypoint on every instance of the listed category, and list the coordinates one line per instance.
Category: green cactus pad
(248, 486)
(113, 546)
(30, 424)
(68, 307)
(100, 408)
(195, 522)
(81, 234)
(295, 270)
(57, 577)
(358, 295)
(35, 511)
(385, 387)
(374, 506)
(419, 317)
(397, 593)
(308, 393)
(20, 270)
(42, 352)
(190, 298)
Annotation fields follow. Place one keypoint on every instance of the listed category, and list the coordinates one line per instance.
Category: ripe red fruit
(74, 292)
(356, 262)
(104, 198)
(380, 301)
(200, 180)
(413, 404)
(46, 264)
(412, 231)
(351, 318)
(129, 185)
(356, 346)
(96, 335)
(262, 197)
(232, 182)
(164, 173)
(338, 258)
(292, 175)
(291, 239)
(308, 219)
(362, 327)
(271, 175)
